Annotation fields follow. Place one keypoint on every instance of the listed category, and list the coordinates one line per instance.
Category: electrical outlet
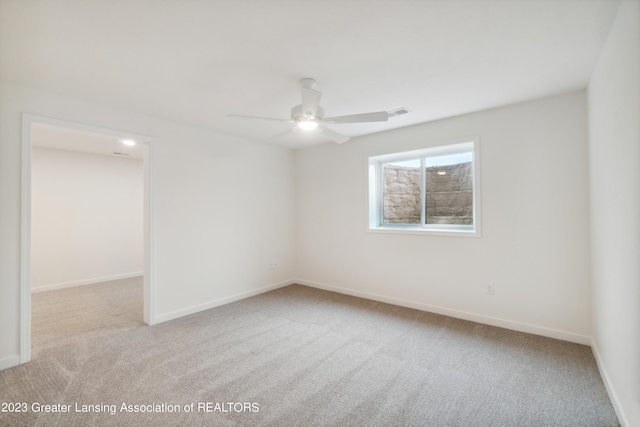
(489, 288)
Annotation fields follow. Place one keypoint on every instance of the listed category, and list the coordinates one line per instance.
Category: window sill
(426, 231)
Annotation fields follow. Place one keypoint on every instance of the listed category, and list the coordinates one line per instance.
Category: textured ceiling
(194, 61)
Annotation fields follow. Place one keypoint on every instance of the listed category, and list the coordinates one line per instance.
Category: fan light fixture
(308, 124)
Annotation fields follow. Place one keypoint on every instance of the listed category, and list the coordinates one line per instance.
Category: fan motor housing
(297, 115)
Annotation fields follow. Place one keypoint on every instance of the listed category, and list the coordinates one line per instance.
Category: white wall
(86, 220)
(535, 232)
(215, 233)
(614, 160)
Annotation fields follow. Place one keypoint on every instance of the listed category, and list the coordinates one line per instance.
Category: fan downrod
(308, 83)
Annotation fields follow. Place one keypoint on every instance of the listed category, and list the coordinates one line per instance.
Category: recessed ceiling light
(129, 142)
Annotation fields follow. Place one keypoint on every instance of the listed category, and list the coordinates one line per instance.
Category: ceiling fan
(309, 115)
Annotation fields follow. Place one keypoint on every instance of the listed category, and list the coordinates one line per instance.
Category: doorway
(88, 141)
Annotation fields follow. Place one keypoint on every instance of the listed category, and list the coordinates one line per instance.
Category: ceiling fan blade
(238, 116)
(334, 136)
(310, 101)
(378, 116)
(286, 132)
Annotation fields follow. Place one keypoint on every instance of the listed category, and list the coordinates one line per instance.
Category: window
(433, 189)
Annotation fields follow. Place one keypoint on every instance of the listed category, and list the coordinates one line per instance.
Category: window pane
(449, 187)
(401, 192)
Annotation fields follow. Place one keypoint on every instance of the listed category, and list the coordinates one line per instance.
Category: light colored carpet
(302, 357)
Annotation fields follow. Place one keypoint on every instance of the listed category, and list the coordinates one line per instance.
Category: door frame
(28, 120)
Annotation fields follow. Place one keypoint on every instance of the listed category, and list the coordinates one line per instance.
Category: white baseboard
(55, 286)
(613, 396)
(221, 301)
(9, 362)
(479, 318)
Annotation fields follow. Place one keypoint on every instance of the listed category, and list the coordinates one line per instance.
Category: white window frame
(375, 187)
